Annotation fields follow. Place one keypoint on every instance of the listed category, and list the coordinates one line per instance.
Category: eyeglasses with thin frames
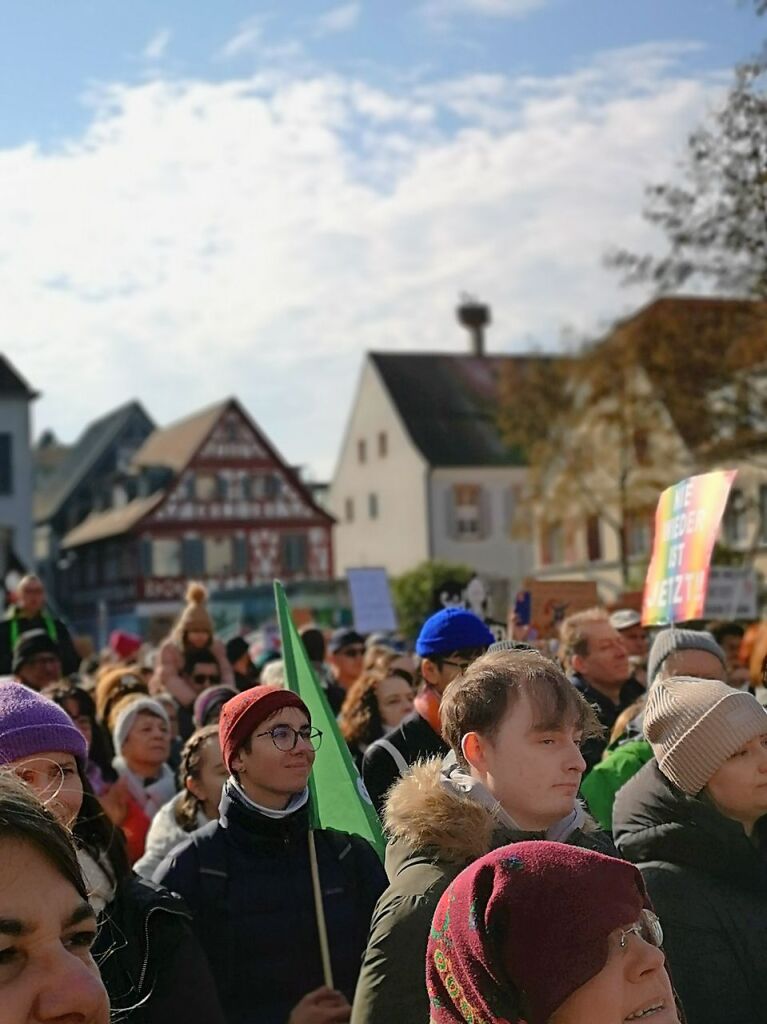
(460, 665)
(648, 927)
(285, 737)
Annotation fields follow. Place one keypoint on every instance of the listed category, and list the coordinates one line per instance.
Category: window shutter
(240, 554)
(451, 526)
(6, 464)
(485, 513)
(192, 556)
(145, 557)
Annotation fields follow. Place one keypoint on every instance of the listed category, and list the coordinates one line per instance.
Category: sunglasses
(352, 652)
(201, 678)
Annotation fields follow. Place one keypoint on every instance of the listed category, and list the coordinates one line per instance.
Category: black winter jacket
(415, 740)
(150, 960)
(708, 883)
(253, 906)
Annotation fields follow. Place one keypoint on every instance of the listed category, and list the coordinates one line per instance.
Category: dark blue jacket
(253, 906)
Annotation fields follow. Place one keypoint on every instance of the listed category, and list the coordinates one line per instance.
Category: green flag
(337, 795)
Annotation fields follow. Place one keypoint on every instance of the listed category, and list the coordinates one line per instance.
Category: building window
(469, 513)
(218, 556)
(373, 506)
(6, 464)
(593, 539)
(362, 451)
(552, 544)
(383, 444)
(166, 557)
(272, 486)
(349, 510)
(295, 552)
(735, 519)
(207, 487)
(240, 554)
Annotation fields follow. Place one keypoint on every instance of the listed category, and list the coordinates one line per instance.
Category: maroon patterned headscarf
(524, 927)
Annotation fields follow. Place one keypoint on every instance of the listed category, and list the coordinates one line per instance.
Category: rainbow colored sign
(686, 525)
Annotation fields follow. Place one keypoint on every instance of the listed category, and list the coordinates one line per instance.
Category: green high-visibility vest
(50, 628)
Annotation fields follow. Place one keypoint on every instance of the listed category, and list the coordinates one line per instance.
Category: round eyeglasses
(286, 738)
(648, 927)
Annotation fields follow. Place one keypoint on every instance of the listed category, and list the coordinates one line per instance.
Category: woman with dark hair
(150, 961)
(51, 973)
(202, 776)
(81, 708)
(376, 702)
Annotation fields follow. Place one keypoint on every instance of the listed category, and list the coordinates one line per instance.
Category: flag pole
(327, 967)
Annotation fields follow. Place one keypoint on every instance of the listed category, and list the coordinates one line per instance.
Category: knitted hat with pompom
(196, 615)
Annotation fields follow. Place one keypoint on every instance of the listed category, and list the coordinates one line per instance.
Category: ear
(194, 787)
(474, 749)
(577, 662)
(237, 765)
(430, 671)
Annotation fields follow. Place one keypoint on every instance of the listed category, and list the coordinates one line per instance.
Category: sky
(203, 198)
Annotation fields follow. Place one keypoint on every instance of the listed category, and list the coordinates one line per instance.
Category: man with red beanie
(247, 876)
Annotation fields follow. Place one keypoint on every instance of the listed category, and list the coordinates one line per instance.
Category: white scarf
(296, 802)
(98, 879)
(149, 798)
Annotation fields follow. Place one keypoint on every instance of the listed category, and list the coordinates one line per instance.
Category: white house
(16, 469)
(423, 472)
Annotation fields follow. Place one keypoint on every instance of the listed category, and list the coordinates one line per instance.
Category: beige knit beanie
(195, 615)
(695, 725)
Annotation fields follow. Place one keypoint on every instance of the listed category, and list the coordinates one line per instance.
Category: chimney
(474, 316)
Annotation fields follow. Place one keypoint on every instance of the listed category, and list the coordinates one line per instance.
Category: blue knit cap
(452, 629)
(31, 724)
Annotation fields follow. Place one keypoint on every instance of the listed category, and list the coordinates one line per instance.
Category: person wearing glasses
(448, 643)
(541, 933)
(346, 652)
(515, 725)
(694, 821)
(247, 876)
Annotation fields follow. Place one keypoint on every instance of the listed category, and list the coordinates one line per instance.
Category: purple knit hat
(31, 724)
(211, 698)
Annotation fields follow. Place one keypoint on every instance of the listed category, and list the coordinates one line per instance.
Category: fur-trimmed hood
(433, 812)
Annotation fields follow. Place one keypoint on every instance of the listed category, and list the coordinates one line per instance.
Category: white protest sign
(732, 593)
(372, 606)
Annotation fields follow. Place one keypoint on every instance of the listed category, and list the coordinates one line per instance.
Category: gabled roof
(112, 523)
(174, 446)
(11, 381)
(449, 405)
(88, 448)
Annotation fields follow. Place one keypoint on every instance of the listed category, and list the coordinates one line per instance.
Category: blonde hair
(573, 634)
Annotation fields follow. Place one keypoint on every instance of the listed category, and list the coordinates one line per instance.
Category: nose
(643, 958)
(575, 761)
(71, 992)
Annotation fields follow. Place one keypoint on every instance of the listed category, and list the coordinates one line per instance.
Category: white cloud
(157, 45)
(247, 39)
(257, 235)
(441, 11)
(338, 19)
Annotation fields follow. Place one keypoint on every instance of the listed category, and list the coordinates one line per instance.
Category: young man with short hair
(514, 723)
(448, 643)
(346, 652)
(247, 877)
(594, 655)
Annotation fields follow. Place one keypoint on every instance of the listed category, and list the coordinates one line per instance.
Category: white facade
(16, 473)
(380, 486)
(394, 510)
(472, 511)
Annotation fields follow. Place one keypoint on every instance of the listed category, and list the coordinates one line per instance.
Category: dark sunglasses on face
(352, 652)
(202, 679)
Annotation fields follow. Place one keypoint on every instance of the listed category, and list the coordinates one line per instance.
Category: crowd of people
(573, 836)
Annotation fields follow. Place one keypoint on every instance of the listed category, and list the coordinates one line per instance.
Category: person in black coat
(29, 612)
(247, 877)
(695, 823)
(448, 643)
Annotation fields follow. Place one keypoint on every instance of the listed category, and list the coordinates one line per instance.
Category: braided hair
(188, 804)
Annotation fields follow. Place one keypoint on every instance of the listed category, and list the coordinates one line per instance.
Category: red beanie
(243, 714)
(523, 928)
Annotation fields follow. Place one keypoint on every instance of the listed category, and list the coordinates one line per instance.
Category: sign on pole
(686, 526)
(372, 606)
